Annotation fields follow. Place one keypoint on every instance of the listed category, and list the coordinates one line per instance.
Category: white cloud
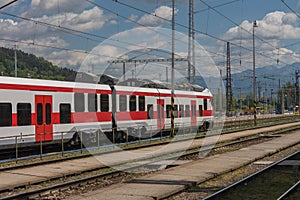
(279, 25)
(159, 2)
(88, 20)
(274, 29)
(45, 7)
(157, 18)
(132, 18)
(30, 35)
(66, 59)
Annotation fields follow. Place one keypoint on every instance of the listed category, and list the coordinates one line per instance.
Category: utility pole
(254, 76)
(193, 43)
(228, 82)
(297, 87)
(190, 64)
(220, 95)
(16, 65)
(172, 72)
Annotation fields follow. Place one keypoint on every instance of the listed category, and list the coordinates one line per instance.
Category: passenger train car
(34, 111)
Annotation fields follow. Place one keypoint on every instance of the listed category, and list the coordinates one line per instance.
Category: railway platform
(174, 180)
(163, 184)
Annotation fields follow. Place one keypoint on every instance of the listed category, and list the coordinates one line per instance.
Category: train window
(193, 110)
(5, 114)
(200, 110)
(23, 114)
(168, 110)
(104, 99)
(132, 103)
(205, 104)
(141, 103)
(65, 113)
(181, 110)
(123, 102)
(150, 111)
(175, 111)
(39, 115)
(187, 110)
(92, 103)
(48, 113)
(79, 102)
(159, 108)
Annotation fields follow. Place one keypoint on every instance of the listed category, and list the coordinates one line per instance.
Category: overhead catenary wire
(69, 30)
(65, 30)
(198, 31)
(4, 6)
(91, 36)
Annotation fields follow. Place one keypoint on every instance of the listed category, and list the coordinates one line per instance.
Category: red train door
(193, 113)
(160, 114)
(43, 118)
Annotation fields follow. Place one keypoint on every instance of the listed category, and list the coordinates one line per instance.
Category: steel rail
(289, 191)
(68, 184)
(249, 177)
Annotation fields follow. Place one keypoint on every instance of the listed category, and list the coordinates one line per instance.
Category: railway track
(107, 175)
(277, 181)
(292, 193)
(232, 125)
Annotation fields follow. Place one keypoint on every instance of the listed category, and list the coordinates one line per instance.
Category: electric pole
(172, 71)
(254, 75)
(297, 87)
(16, 65)
(228, 82)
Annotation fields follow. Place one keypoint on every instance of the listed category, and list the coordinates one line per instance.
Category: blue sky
(58, 30)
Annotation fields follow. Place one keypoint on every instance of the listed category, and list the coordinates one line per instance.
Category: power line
(8, 4)
(217, 6)
(66, 30)
(290, 8)
(76, 32)
(237, 24)
(198, 31)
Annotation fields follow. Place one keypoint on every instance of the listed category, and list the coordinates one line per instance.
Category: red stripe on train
(51, 88)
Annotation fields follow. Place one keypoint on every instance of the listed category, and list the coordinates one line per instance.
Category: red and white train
(34, 110)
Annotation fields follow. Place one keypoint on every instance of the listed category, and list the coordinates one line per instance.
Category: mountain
(267, 79)
(29, 65)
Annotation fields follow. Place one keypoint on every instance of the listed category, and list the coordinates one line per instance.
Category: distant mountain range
(268, 77)
(267, 80)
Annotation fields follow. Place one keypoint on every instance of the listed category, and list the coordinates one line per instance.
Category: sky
(66, 32)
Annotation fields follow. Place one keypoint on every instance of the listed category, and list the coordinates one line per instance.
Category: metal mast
(191, 44)
(16, 65)
(190, 41)
(297, 87)
(172, 72)
(193, 41)
(228, 81)
(254, 75)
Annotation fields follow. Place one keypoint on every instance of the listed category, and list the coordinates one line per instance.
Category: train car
(140, 110)
(34, 111)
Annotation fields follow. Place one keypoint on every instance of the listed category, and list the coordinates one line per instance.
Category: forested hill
(31, 66)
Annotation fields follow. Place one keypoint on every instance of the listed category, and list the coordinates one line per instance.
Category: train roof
(132, 89)
(50, 83)
(146, 83)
